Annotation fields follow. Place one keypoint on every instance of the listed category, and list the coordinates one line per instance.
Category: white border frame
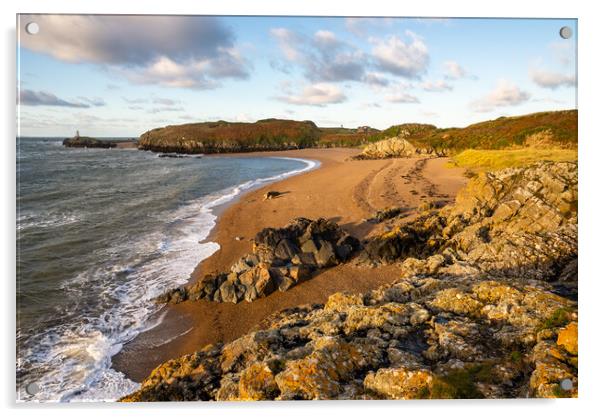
(590, 144)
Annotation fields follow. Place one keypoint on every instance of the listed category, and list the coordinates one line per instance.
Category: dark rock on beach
(281, 259)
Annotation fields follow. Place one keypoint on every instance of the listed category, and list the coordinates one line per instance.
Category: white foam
(171, 339)
(77, 357)
(46, 220)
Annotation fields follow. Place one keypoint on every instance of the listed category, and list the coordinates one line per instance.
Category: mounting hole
(566, 32)
(32, 388)
(32, 28)
(566, 384)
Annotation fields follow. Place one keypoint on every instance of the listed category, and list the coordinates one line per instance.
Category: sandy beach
(343, 190)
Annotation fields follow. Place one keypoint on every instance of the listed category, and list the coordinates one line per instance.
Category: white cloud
(360, 26)
(564, 52)
(376, 79)
(402, 97)
(552, 80)
(165, 101)
(319, 94)
(287, 40)
(430, 114)
(43, 98)
(505, 94)
(244, 117)
(407, 59)
(326, 38)
(436, 86)
(322, 56)
(454, 71)
(155, 110)
(169, 73)
(144, 49)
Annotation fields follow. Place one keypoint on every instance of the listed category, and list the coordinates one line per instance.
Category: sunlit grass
(492, 160)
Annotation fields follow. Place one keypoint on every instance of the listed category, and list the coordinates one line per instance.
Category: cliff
(485, 307)
(227, 137)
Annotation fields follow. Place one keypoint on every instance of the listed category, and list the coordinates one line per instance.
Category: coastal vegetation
(546, 129)
(557, 129)
(478, 160)
(227, 137)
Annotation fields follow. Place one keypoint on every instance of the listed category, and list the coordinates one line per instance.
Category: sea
(100, 234)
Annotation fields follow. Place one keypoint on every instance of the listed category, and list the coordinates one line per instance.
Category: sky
(123, 75)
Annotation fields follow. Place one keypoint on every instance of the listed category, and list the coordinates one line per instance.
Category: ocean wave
(48, 220)
(73, 360)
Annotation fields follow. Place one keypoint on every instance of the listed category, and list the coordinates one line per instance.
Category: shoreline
(339, 189)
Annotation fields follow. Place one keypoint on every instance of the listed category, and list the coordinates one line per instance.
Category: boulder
(396, 147)
(286, 249)
(326, 256)
(400, 383)
(300, 272)
(304, 258)
(309, 246)
(228, 293)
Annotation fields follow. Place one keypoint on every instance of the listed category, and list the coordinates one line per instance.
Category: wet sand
(343, 190)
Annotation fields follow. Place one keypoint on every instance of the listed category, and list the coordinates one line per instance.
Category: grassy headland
(227, 137)
(555, 129)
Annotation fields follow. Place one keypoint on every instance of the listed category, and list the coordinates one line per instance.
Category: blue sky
(123, 75)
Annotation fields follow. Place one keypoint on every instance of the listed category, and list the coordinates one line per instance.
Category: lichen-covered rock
(433, 344)
(567, 338)
(399, 383)
(456, 301)
(515, 222)
(390, 148)
(459, 322)
(398, 147)
(257, 383)
(320, 374)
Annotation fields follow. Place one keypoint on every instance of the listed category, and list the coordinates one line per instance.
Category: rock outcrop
(87, 142)
(422, 337)
(485, 308)
(397, 147)
(516, 222)
(281, 259)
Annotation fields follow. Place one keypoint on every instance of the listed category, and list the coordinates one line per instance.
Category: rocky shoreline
(281, 259)
(485, 308)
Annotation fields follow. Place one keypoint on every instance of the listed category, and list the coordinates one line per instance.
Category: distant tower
(77, 134)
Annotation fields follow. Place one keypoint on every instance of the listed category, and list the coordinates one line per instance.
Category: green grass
(492, 160)
(559, 318)
(461, 383)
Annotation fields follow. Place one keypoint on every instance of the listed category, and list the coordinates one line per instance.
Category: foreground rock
(458, 323)
(423, 337)
(281, 259)
(397, 147)
(519, 222)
